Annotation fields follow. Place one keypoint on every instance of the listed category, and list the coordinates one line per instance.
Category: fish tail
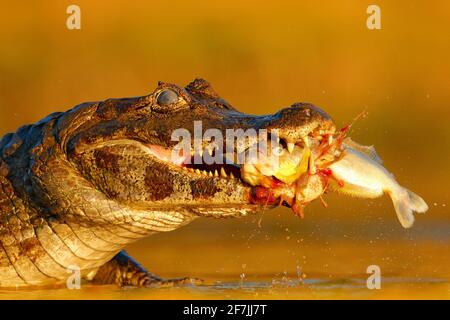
(405, 203)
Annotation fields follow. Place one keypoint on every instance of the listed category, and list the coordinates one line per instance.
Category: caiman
(78, 186)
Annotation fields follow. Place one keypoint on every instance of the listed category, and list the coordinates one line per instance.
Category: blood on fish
(325, 172)
(276, 183)
(261, 195)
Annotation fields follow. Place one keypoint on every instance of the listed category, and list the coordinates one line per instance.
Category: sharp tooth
(191, 170)
(231, 175)
(210, 173)
(197, 171)
(306, 141)
(223, 174)
(216, 174)
(290, 146)
(204, 173)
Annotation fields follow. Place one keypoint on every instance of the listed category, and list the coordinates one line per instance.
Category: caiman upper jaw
(299, 121)
(123, 147)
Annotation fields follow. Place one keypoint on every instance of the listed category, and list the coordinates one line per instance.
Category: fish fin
(418, 204)
(405, 203)
(367, 150)
(354, 190)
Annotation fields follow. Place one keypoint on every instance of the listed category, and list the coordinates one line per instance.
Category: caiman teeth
(201, 169)
(290, 146)
(223, 174)
(306, 141)
(217, 173)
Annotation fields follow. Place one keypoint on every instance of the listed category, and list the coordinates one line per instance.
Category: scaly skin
(78, 186)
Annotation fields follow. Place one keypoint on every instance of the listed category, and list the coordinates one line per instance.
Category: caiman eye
(167, 97)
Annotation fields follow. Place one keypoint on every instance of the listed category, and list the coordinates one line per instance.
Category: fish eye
(167, 97)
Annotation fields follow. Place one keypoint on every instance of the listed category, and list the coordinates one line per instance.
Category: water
(392, 288)
(239, 260)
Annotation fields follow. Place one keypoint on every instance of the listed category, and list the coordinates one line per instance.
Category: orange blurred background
(260, 57)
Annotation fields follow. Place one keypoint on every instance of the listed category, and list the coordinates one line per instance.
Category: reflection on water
(290, 289)
(309, 259)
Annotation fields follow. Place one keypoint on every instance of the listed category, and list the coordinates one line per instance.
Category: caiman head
(115, 161)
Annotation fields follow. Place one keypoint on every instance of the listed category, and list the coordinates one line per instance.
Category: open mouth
(293, 176)
(290, 174)
(225, 170)
(193, 163)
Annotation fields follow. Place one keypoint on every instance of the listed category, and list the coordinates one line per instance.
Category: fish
(284, 166)
(361, 174)
(342, 165)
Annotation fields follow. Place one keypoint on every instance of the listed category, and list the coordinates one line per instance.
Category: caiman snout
(300, 120)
